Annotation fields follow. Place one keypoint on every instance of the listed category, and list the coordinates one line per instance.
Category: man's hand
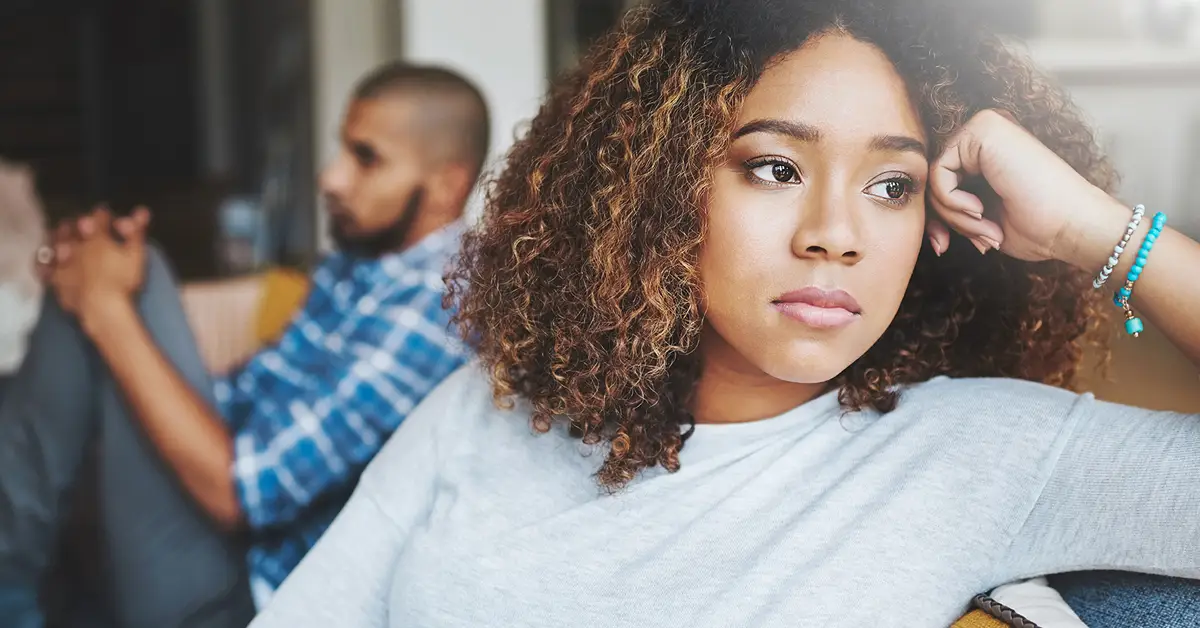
(99, 261)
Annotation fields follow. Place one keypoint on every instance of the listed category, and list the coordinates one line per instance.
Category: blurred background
(218, 113)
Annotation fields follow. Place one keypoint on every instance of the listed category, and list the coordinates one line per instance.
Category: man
(21, 227)
(189, 467)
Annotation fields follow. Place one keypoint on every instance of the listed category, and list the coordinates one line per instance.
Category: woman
(765, 389)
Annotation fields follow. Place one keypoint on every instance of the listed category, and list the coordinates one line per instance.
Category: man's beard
(386, 240)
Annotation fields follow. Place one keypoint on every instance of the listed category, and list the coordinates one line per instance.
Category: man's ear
(449, 187)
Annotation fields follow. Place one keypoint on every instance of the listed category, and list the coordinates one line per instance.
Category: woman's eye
(775, 172)
(891, 190)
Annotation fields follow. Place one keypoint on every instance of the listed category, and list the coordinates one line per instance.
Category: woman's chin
(785, 357)
(807, 368)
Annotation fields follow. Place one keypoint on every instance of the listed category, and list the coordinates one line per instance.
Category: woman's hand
(1036, 207)
(999, 186)
(92, 267)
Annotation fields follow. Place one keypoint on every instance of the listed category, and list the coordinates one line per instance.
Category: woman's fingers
(959, 162)
(944, 183)
(984, 233)
(939, 236)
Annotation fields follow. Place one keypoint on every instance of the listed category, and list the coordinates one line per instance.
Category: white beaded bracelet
(1138, 212)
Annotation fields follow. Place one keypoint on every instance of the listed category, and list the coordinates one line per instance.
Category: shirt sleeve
(345, 580)
(237, 393)
(1124, 494)
(310, 435)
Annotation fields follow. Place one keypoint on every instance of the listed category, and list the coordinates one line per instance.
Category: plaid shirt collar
(437, 247)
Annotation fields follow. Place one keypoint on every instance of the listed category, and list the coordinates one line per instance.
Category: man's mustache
(334, 206)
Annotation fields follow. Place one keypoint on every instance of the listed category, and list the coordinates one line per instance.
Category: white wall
(501, 45)
(498, 44)
(1144, 101)
(350, 37)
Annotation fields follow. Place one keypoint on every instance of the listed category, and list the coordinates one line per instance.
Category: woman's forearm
(1167, 294)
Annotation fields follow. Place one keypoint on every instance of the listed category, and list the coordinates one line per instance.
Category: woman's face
(816, 219)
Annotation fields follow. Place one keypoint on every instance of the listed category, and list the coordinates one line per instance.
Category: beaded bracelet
(1133, 324)
(1102, 278)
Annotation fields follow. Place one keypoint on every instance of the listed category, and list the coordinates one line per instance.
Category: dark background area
(103, 98)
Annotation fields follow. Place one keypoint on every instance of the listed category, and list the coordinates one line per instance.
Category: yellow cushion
(978, 619)
(283, 293)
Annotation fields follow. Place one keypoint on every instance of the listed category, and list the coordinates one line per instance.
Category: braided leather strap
(1002, 612)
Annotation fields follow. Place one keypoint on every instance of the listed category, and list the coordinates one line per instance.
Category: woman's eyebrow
(899, 144)
(811, 134)
(798, 130)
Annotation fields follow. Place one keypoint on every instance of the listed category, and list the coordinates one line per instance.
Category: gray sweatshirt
(812, 518)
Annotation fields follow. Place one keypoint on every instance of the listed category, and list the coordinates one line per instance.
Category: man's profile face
(372, 188)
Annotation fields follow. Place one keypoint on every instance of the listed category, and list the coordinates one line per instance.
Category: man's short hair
(459, 106)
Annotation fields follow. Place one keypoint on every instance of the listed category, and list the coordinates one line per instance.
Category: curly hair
(580, 289)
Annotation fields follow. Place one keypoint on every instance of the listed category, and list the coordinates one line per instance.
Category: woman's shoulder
(463, 408)
(992, 399)
(994, 422)
(463, 398)
(991, 387)
(453, 413)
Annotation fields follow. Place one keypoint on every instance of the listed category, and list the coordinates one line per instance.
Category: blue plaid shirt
(308, 414)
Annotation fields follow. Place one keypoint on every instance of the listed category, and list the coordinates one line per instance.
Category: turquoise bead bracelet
(1133, 325)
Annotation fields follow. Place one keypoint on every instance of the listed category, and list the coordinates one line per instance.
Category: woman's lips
(818, 308)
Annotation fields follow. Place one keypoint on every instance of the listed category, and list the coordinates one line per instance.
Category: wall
(214, 45)
(500, 45)
(1082, 18)
(350, 37)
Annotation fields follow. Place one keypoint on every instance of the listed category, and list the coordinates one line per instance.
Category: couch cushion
(283, 293)
(1125, 600)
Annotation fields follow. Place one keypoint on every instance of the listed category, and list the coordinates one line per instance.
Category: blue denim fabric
(1125, 600)
(19, 607)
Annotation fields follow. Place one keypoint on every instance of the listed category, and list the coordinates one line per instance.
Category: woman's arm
(1121, 496)
(1046, 210)
(346, 579)
(1168, 291)
(1125, 489)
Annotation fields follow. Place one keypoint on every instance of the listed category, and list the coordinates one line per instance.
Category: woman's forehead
(838, 84)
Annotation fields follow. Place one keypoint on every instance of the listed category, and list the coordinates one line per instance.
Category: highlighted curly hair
(580, 289)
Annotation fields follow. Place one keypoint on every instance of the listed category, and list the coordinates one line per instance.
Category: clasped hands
(96, 261)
